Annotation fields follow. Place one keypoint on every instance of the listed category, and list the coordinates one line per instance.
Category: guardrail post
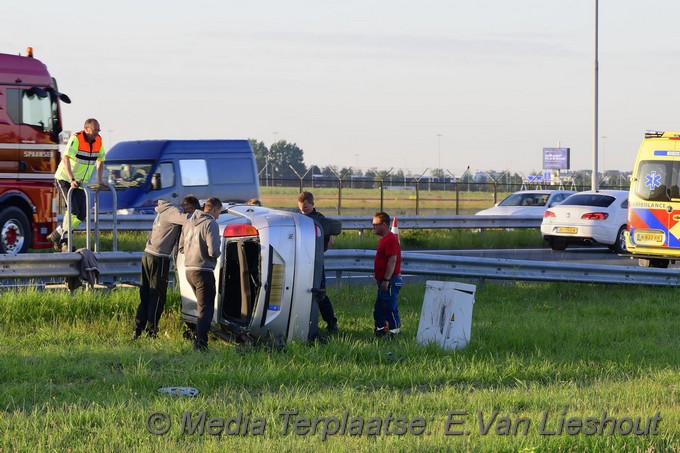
(114, 218)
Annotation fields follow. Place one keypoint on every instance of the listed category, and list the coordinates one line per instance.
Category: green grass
(71, 380)
(131, 241)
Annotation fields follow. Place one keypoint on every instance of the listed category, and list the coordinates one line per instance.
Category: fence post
(457, 194)
(417, 197)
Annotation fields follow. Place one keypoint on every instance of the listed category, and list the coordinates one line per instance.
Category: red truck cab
(30, 127)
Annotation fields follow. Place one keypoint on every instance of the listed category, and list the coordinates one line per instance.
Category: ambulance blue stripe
(660, 152)
(650, 220)
(673, 242)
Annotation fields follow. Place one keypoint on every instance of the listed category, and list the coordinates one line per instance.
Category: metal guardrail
(126, 266)
(498, 268)
(113, 266)
(139, 222)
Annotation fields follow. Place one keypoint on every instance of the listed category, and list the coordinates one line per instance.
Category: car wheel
(619, 246)
(15, 231)
(558, 244)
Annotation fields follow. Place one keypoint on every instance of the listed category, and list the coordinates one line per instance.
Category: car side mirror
(156, 181)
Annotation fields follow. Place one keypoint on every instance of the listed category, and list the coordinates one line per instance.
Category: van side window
(167, 175)
(193, 172)
(232, 171)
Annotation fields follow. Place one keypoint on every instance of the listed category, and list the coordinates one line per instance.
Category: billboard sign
(556, 158)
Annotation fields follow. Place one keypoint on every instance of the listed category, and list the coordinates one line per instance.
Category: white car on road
(591, 217)
(528, 203)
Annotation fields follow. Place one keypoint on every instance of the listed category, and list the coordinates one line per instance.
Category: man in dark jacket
(200, 243)
(306, 206)
(156, 262)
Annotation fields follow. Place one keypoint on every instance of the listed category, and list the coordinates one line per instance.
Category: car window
(589, 199)
(557, 199)
(525, 199)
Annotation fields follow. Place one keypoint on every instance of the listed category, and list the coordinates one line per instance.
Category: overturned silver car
(268, 276)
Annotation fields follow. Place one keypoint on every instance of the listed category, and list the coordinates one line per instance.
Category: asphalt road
(586, 255)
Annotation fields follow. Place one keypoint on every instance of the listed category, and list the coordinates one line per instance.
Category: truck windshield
(127, 174)
(658, 180)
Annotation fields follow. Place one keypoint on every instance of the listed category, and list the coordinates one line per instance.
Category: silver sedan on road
(268, 276)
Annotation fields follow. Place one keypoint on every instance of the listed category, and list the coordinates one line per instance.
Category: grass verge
(72, 380)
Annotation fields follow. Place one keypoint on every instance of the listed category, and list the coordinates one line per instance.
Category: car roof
(614, 193)
(543, 191)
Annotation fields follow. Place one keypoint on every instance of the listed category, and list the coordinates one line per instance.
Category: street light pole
(439, 151)
(595, 113)
(268, 158)
(604, 149)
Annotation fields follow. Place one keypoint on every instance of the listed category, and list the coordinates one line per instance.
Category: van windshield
(658, 180)
(123, 174)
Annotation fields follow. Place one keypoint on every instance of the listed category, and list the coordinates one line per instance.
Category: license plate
(649, 238)
(567, 230)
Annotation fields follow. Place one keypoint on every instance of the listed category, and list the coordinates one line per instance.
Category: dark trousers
(203, 284)
(325, 306)
(152, 293)
(78, 202)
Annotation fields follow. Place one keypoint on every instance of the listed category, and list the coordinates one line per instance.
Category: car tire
(558, 244)
(15, 231)
(619, 246)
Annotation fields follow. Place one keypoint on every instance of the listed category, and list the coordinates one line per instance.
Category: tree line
(285, 161)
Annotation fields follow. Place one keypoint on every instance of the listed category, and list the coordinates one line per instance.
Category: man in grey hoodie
(200, 243)
(156, 262)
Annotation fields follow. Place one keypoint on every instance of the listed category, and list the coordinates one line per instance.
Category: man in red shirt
(387, 272)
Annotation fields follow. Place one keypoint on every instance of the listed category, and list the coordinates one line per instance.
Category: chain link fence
(399, 196)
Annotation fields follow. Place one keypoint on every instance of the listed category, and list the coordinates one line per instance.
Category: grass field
(412, 239)
(72, 380)
(395, 202)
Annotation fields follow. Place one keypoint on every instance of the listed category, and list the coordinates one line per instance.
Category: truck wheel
(15, 231)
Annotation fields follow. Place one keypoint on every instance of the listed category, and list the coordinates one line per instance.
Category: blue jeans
(386, 308)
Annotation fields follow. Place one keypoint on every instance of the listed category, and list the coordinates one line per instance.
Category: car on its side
(528, 203)
(268, 276)
(593, 217)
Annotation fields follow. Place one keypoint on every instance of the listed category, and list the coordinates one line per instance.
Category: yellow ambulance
(654, 201)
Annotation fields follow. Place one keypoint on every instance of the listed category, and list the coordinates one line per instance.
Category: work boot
(55, 239)
(333, 328)
(64, 247)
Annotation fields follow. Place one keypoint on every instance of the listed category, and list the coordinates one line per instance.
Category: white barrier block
(446, 317)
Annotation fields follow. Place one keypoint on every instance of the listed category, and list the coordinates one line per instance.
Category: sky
(367, 84)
